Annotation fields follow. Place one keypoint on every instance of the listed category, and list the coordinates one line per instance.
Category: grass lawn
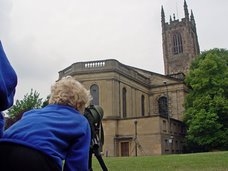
(213, 161)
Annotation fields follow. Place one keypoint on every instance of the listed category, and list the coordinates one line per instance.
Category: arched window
(143, 105)
(124, 95)
(163, 106)
(177, 44)
(94, 90)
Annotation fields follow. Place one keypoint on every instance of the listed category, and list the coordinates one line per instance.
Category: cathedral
(143, 110)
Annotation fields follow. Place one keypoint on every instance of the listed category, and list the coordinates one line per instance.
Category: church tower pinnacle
(162, 16)
(186, 10)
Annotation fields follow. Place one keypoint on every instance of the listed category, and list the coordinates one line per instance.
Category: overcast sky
(42, 37)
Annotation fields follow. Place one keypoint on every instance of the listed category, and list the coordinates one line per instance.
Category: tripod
(94, 115)
(95, 149)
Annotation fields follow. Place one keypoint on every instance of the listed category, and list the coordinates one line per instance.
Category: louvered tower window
(177, 43)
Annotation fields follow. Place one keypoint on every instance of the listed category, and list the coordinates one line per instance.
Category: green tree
(206, 105)
(30, 101)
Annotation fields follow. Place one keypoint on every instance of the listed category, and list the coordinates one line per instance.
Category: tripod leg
(90, 160)
(100, 160)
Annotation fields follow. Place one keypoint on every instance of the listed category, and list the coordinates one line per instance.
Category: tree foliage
(30, 101)
(206, 105)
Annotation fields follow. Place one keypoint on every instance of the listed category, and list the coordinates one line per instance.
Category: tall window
(163, 106)
(143, 105)
(94, 90)
(124, 95)
(177, 44)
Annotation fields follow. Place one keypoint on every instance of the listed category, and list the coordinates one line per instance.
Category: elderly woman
(54, 138)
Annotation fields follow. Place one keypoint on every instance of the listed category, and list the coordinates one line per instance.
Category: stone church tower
(180, 42)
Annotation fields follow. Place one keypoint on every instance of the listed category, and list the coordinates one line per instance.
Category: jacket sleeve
(77, 158)
(8, 81)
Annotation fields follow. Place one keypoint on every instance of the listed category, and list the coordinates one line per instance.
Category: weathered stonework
(153, 131)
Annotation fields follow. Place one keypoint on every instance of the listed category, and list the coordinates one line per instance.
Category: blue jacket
(59, 131)
(8, 81)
